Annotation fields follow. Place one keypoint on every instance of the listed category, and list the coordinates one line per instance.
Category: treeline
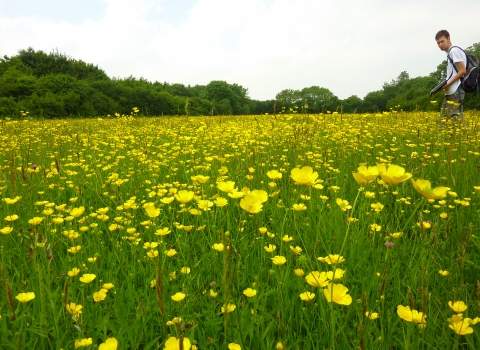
(401, 93)
(57, 86)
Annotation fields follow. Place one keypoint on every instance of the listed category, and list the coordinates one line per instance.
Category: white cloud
(349, 47)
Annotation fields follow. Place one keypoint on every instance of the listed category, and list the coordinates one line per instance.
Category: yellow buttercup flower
(337, 274)
(100, 295)
(227, 186)
(296, 250)
(251, 204)
(87, 277)
(332, 259)
(343, 204)
(184, 196)
(443, 272)
(35, 221)
(73, 272)
(307, 296)
(11, 200)
(58, 221)
(338, 294)
(74, 250)
(461, 325)
(299, 207)
(228, 308)
(103, 211)
(365, 175)
(393, 175)
(396, 235)
(25, 297)
(110, 344)
(371, 315)
(260, 195)
(317, 279)
(220, 202)
(11, 218)
(377, 207)
(166, 200)
(6, 230)
(200, 178)
(185, 270)
(108, 286)
(205, 204)
(218, 247)
(163, 231)
(74, 309)
(458, 306)
(299, 272)
(236, 194)
(83, 342)
(424, 187)
(410, 315)
(170, 252)
(279, 260)
(173, 343)
(270, 248)
(76, 212)
(304, 176)
(274, 174)
(249, 292)
(179, 296)
(152, 212)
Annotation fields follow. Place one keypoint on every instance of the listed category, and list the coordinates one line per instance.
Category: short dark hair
(441, 33)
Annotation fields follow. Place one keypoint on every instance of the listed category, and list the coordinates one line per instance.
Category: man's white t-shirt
(457, 55)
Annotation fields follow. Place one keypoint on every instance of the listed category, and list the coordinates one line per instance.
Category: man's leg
(452, 106)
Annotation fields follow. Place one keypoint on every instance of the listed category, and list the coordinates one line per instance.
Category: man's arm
(462, 70)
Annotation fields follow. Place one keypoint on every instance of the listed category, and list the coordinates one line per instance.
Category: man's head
(443, 40)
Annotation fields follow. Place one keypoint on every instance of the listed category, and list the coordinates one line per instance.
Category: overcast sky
(350, 47)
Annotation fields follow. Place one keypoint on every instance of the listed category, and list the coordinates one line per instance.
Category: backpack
(471, 80)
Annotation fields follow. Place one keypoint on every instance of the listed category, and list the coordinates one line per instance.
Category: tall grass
(123, 164)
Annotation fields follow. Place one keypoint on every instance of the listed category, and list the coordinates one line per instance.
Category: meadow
(287, 231)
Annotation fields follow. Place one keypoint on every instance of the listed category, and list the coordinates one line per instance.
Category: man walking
(452, 106)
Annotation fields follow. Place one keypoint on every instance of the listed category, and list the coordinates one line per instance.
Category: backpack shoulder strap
(453, 64)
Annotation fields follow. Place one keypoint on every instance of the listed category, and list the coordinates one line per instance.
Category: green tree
(375, 102)
(352, 104)
(318, 99)
(15, 83)
(8, 107)
(288, 97)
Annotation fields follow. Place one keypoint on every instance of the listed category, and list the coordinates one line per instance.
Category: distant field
(241, 232)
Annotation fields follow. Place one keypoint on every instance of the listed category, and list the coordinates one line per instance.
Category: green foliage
(56, 63)
(316, 99)
(8, 106)
(352, 104)
(54, 85)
